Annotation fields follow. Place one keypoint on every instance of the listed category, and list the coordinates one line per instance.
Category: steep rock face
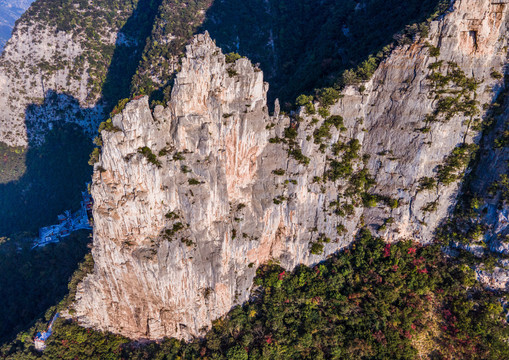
(484, 222)
(400, 96)
(193, 265)
(191, 198)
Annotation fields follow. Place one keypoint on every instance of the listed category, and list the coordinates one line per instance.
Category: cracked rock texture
(190, 199)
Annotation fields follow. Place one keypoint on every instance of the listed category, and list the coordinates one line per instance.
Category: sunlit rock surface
(191, 198)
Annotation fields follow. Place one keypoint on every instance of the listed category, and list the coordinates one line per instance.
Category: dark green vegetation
(110, 67)
(323, 132)
(150, 156)
(305, 44)
(126, 57)
(297, 48)
(468, 223)
(341, 169)
(179, 20)
(33, 281)
(371, 301)
(52, 183)
(454, 92)
(454, 164)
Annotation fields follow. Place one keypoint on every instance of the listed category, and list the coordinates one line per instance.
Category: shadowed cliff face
(58, 126)
(299, 44)
(190, 199)
(77, 50)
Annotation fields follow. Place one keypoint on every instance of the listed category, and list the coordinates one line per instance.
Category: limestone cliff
(190, 199)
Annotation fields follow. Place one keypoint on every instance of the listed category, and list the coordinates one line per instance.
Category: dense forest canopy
(373, 300)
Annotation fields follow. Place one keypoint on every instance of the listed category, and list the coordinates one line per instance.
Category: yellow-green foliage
(232, 57)
(12, 163)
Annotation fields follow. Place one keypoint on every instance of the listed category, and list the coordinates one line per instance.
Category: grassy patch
(12, 161)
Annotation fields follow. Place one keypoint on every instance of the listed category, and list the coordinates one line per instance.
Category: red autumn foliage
(387, 250)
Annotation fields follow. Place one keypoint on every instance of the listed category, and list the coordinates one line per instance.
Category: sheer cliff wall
(191, 198)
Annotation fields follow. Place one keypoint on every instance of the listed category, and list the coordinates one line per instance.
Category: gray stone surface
(215, 176)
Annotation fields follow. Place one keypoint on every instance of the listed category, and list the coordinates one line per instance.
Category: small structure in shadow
(67, 223)
(41, 337)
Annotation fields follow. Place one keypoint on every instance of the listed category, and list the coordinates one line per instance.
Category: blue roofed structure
(41, 337)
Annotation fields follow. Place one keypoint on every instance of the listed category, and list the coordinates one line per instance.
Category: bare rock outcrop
(190, 199)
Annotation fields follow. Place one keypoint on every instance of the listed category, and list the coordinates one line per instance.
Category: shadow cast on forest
(307, 44)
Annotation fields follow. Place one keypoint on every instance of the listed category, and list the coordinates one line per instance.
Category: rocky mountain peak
(191, 198)
(200, 154)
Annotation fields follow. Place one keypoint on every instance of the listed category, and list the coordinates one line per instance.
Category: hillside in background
(298, 47)
(10, 11)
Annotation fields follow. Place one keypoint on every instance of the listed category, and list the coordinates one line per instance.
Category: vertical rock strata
(190, 199)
